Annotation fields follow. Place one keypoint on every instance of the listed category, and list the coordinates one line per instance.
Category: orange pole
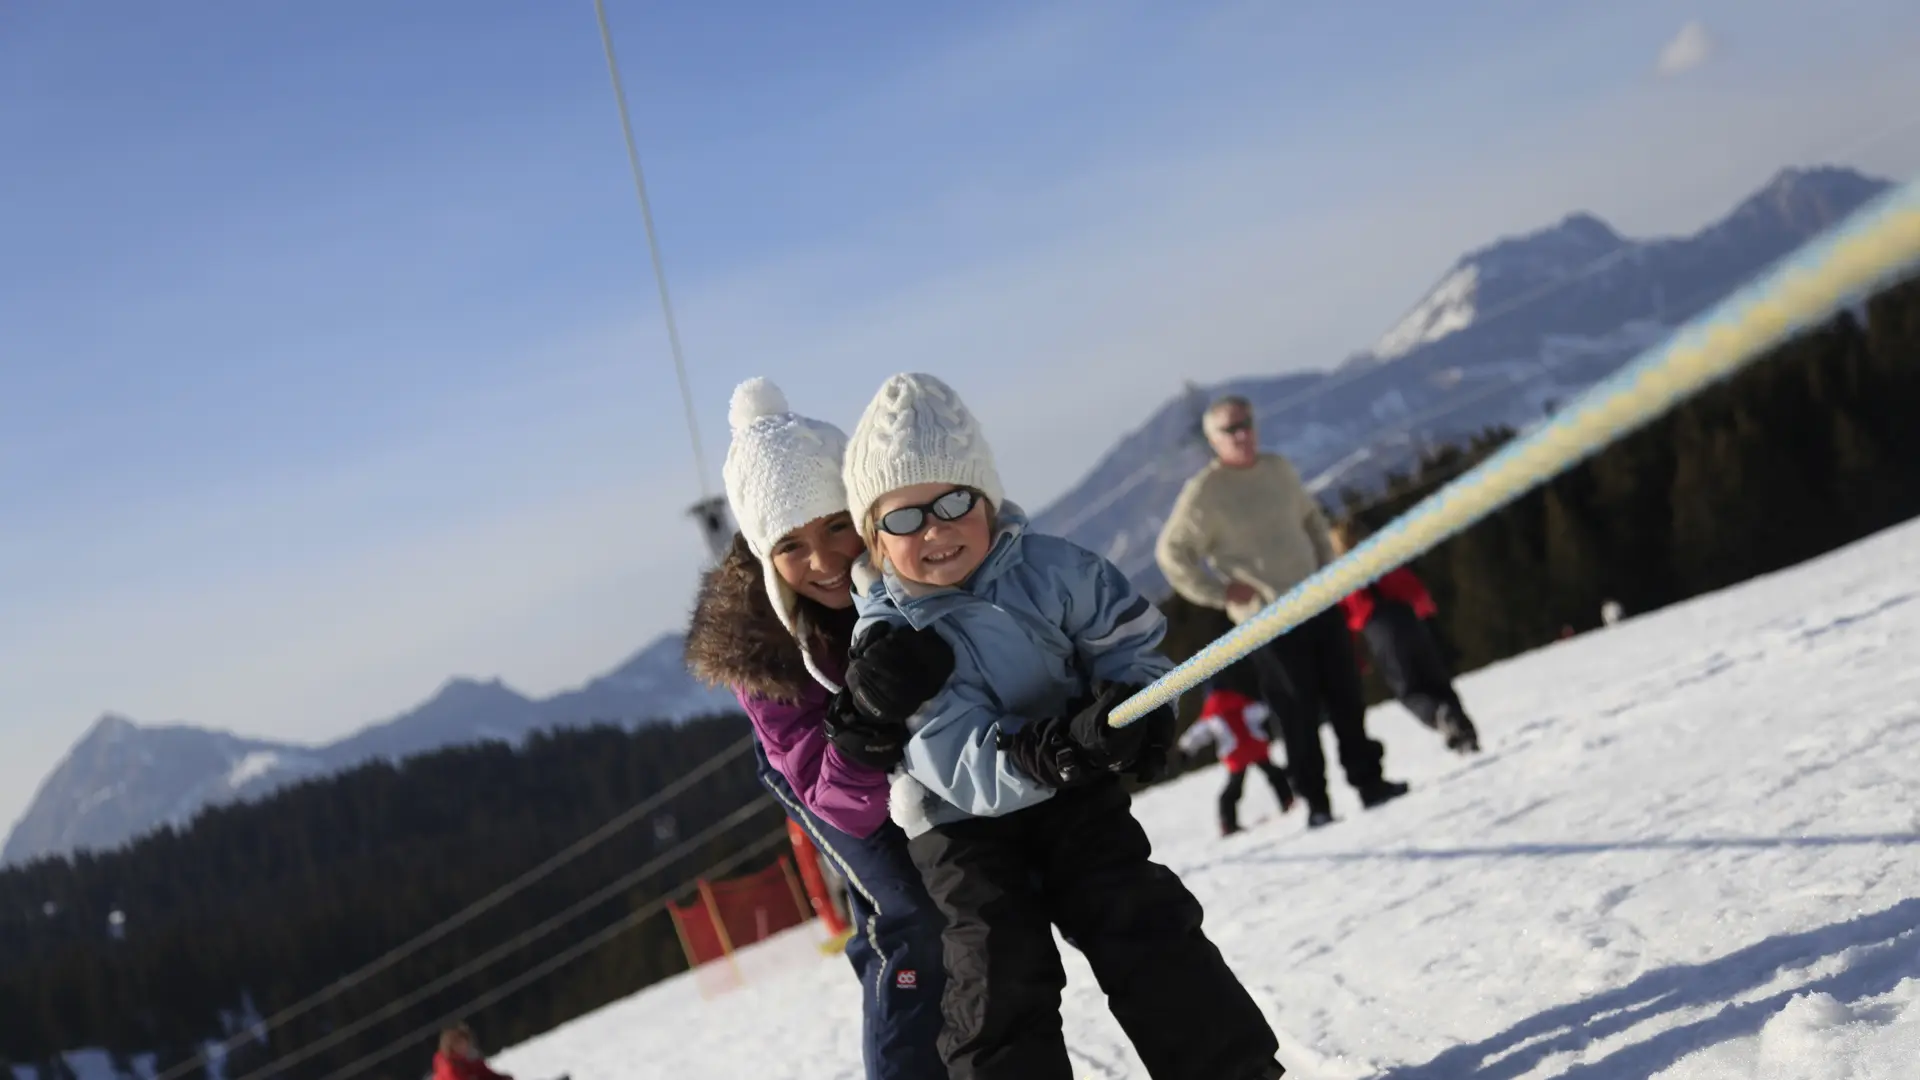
(793, 882)
(809, 859)
(713, 912)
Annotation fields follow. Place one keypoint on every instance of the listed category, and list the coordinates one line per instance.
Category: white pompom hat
(916, 430)
(782, 471)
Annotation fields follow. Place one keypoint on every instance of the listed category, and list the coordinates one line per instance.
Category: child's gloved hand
(1045, 751)
(875, 743)
(1157, 755)
(1064, 751)
(1115, 749)
(891, 671)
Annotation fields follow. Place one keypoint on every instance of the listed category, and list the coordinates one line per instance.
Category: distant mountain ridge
(1508, 330)
(123, 779)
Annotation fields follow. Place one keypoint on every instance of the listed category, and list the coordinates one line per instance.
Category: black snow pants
(1237, 783)
(1079, 861)
(1410, 662)
(1310, 673)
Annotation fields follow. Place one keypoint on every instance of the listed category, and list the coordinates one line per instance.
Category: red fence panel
(757, 906)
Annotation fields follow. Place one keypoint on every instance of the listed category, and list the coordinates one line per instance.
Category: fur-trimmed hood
(736, 640)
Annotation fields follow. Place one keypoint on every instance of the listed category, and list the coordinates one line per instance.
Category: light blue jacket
(1031, 630)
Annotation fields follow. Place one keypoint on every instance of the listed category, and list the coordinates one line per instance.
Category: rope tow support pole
(653, 244)
(716, 524)
(1878, 244)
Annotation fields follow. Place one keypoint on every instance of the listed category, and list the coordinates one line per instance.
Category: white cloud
(1689, 48)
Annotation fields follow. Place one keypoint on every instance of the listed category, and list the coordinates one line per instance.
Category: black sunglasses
(907, 520)
(1237, 427)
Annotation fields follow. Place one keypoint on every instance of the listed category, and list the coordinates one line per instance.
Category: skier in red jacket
(1392, 615)
(1236, 725)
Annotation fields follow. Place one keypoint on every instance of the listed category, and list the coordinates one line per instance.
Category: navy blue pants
(895, 947)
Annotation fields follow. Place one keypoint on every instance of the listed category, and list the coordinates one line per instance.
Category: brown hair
(458, 1032)
(1348, 532)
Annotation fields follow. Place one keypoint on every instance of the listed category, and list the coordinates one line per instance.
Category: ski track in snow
(1689, 850)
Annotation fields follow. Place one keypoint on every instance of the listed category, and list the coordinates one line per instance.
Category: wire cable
(470, 912)
(518, 941)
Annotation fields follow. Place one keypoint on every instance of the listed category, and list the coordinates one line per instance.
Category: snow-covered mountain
(1507, 332)
(124, 779)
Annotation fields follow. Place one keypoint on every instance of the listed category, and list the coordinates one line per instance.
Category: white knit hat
(916, 430)
(782, 471)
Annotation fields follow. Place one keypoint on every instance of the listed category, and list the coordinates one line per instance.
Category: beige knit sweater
(1258, 525)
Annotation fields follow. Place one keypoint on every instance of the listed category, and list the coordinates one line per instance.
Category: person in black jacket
(1392, 615)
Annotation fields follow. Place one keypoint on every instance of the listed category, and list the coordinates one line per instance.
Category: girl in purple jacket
(773, 621)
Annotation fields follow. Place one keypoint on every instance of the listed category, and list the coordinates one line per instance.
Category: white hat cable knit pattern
(782, 471)
(916, 430)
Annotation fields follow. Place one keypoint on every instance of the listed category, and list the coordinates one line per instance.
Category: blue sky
(330, 363)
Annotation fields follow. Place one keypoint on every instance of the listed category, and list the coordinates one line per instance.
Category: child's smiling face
(933, 534)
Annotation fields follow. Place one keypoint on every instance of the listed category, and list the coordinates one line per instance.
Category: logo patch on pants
(906, 979)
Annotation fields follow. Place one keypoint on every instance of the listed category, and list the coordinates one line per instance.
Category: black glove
(877, 744)
(1045, 751)
(1107, 747)
(1158, 755)
(891, 672)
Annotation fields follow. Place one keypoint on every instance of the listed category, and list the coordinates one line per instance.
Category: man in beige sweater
(1243, 532)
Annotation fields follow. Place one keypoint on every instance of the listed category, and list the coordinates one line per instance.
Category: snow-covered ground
(1691, 849)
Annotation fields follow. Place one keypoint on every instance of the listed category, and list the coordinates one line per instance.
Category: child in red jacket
(458, 1059)
(1391, 614)
(1236, 725)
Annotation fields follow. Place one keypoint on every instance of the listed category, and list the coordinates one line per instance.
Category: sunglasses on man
(1238, 427)
(907, 520)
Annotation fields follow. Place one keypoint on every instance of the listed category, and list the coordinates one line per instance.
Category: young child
(1391, 614)
(1009, 793)
(459, 1058)
(1236, 726)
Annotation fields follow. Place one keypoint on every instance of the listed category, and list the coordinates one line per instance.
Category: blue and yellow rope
(1877, 245)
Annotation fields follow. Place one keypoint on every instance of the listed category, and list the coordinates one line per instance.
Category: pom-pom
(752, 400)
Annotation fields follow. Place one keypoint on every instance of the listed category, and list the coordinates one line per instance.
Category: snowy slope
(1690, 850)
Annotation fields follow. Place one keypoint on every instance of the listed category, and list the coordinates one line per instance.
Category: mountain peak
(1494, 276)
(664, 655)
(1806, 198)
(111, 727)
(1818, 178)
(464, 688)
(1583, 227)
(1555, 251)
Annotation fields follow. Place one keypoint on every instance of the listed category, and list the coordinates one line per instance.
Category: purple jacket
(848, 796)
(735, 640)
